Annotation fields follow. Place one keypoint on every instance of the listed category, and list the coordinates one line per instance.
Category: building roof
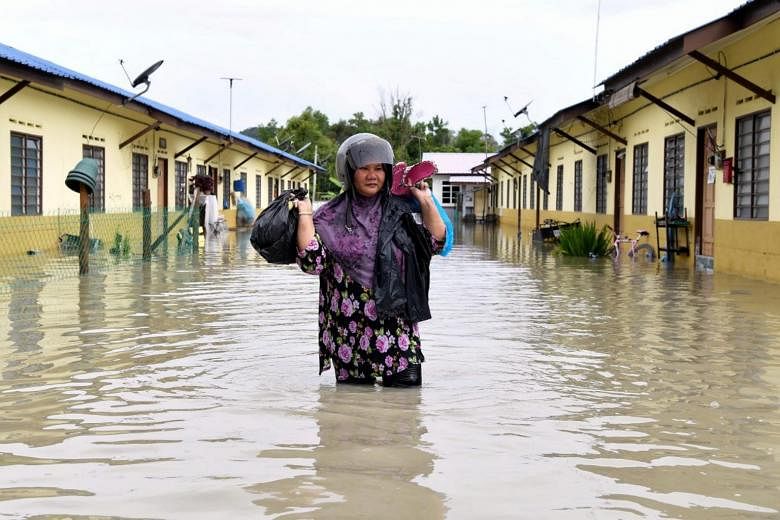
(470, 179)
(28, 61)
(560, 117)
(680, 46)
(454, 163)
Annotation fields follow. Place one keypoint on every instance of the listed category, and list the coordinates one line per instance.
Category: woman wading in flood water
(372, 252)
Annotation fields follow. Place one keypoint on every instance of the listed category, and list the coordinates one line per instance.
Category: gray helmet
(359, 150)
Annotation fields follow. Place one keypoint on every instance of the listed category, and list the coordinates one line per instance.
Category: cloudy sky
(342, 56)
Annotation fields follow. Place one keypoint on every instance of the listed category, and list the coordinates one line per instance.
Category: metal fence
(42, 247)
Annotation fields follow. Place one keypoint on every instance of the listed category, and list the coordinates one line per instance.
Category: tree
(307, 134)
(395, 122)
(474, 141)
(358, 123)
(263, 132)
(310, 133)
(439, 137)
(508, 135)
(511, 136)
(418, 144)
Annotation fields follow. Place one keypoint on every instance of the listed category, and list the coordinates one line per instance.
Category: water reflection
(368, 460)
(555, 388)
(24, 328)
(243, 247)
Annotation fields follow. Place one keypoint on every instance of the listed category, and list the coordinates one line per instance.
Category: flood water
(553, 388)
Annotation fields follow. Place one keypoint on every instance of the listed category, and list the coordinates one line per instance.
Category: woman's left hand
(422, 193)
(430, 213)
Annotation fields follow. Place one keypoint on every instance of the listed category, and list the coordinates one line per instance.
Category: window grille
(751, 179)
(26, 174)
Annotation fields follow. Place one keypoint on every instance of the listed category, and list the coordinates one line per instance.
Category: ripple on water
(553, 388)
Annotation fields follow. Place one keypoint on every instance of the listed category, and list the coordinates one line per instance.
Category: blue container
(239, 186)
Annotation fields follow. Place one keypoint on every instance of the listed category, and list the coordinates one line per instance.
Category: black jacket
(402, 290)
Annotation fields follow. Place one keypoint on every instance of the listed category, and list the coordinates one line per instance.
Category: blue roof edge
(28, 60)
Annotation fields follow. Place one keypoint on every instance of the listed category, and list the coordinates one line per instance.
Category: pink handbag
(406, 176)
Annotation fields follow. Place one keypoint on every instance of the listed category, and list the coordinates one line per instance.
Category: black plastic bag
(274, 230)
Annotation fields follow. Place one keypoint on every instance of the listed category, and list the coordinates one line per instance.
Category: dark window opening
(97, 201)
(601, 184)
(140, 179)
(751, 176)
(639, 189)
(26, 174)
(578, 185)
(674, 162)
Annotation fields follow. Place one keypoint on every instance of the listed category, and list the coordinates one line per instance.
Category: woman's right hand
(304, 206)
(305, 223)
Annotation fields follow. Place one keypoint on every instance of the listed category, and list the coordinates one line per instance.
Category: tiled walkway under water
(554, 388)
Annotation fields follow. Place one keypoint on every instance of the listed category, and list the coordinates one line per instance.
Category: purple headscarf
(353, 246)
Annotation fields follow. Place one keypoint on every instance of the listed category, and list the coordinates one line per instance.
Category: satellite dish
(141, 78)
(523, 110)
(144, 76)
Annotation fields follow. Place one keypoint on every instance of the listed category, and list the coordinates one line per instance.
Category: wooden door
(620, 188)
(162, 183)
(707, 143)
(214, 174)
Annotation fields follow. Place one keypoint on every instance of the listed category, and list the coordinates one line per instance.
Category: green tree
(395, 122)
(306, 135)
(309, 133)
(311, 136)
(418, 143)
(263, 132)
(439, 137)
(358, 123)
(308, 129)
(474, 141)
(510, 136)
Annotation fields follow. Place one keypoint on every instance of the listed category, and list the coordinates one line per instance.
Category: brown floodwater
(187, 388)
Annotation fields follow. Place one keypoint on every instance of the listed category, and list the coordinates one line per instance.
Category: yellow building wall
(563, 153)
(481, 205)
(740, 246)
(566, 153)
(748, 248)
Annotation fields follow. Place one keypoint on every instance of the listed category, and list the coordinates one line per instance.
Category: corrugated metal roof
(454, 162)
(469, 179)
(673, 48)
(28, 60)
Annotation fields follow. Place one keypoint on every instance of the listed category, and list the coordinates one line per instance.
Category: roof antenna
(596, 47)
(141, 78)
(523, 110)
